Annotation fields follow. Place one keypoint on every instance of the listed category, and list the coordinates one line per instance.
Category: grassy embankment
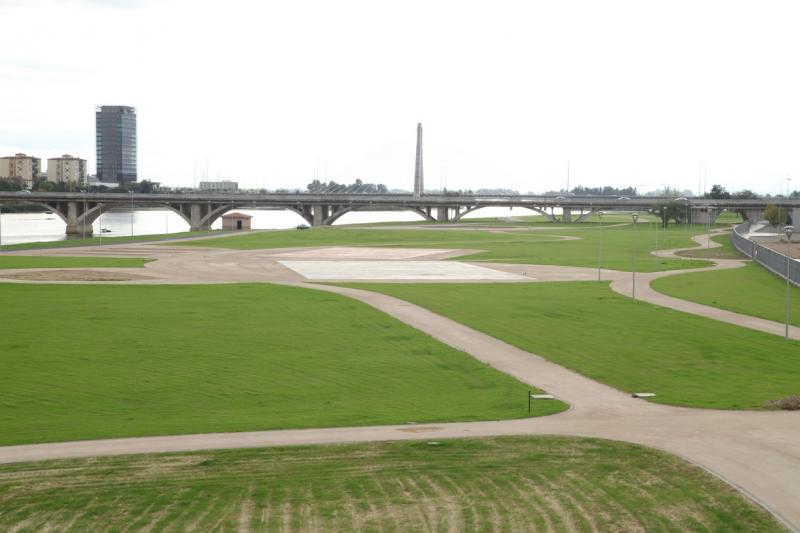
(531, 247)
(725, 251)
(504, 484)
(631, 345)
(159, 360)
(752, 290)
(34, 261)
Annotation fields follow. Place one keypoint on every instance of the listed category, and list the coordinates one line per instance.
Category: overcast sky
(272, 93)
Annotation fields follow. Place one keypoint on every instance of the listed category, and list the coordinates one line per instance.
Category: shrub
(790, 403)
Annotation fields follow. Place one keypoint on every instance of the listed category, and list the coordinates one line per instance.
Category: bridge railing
(766, 257)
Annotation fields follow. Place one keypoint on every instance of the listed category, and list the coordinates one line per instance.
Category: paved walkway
(754, 451)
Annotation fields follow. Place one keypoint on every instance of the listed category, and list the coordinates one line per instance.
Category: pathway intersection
(754, 451)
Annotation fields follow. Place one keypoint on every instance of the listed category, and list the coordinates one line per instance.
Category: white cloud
(633, 92)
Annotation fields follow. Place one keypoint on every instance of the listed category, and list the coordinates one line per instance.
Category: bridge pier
(442, 214)
(566, 214)
(319, 214)
(198, 217)
(704, 215)
(752, 215)
(74, 217)
(80, 230)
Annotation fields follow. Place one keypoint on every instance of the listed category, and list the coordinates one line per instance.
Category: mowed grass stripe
(512, 484)
(38, 261)
(87, 361)
(631, 345)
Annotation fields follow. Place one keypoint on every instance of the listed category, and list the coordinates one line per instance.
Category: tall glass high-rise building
(115, 136)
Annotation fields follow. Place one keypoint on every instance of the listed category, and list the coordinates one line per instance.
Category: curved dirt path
(623, 284)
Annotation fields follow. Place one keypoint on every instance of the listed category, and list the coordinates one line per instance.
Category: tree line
(357, 187)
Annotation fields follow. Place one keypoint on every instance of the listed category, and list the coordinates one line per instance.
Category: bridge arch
(343, 210)
(77, 215)
(586, 215)
(535, 209)
(200, 216)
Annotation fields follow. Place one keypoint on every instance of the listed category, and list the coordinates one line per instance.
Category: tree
(745, 194)
(774, 215)
(598, 191)
(718, 192)
(10, 184)
(670, 211)
(44, 186)
(358, 187)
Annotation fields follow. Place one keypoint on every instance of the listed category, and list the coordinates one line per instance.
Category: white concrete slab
(396, 270)
(357, 252)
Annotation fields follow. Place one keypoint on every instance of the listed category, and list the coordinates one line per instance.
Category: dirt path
(623, 284)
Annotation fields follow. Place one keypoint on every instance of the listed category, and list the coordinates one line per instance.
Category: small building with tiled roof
(236, 221)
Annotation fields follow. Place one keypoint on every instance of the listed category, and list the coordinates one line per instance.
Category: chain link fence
(769, 259)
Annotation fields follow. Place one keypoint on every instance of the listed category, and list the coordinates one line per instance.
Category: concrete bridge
(79, 210)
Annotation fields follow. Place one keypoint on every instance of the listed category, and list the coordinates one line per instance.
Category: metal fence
(769, 259)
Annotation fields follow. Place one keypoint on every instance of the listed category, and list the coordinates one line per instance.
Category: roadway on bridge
(754, 451)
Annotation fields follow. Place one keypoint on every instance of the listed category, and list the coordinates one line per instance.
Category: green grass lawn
(87, 361)
(631, 345)
(35, 261)
(752, 290)
(96, 241)
(726, 251)
(531, 247)
(504, 484)
(729, 217)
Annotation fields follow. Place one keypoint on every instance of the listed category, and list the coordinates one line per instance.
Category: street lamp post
(789, 230)
(131, 213)
(1, 227)
(600, 247)
(83, 226)
(708, 233)
(635, 217)
(655, 253)
(685, 222)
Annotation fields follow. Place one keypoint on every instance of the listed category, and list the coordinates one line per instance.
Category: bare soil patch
(73, 275)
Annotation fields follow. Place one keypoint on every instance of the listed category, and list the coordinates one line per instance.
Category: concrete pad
(357, 252)
(396, 270)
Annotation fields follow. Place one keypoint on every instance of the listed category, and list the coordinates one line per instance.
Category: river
(18, 228)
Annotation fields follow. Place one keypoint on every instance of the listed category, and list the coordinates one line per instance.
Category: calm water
(32, 227)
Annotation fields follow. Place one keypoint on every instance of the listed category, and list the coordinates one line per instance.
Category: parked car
(302, 226)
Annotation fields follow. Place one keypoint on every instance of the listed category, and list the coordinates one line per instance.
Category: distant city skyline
(274, 95)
